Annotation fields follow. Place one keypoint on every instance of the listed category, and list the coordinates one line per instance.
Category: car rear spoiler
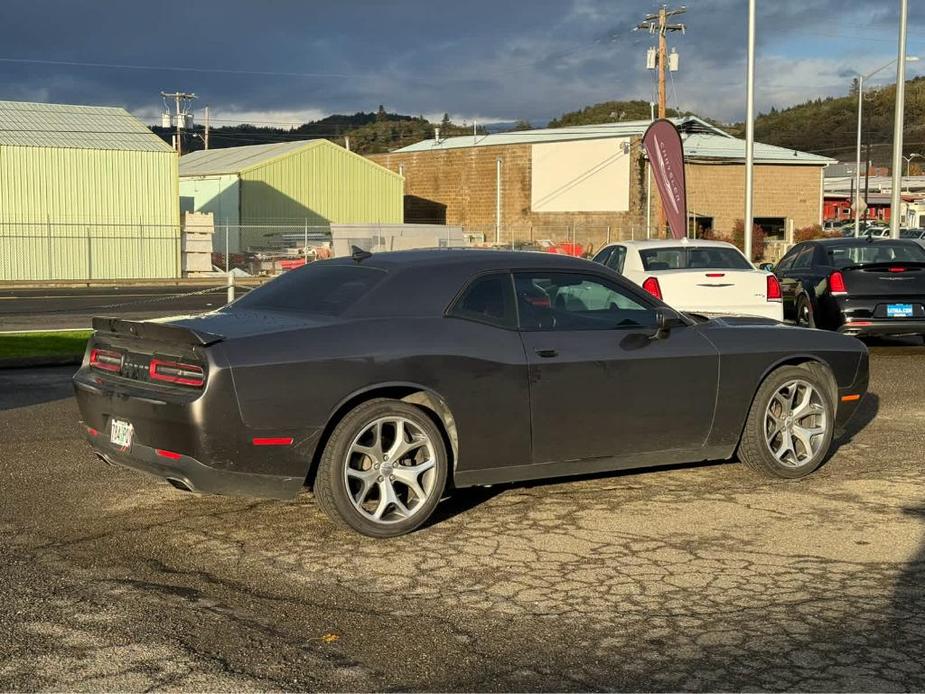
(150, 330)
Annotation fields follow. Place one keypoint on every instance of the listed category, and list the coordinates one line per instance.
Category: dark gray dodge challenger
(383, 381)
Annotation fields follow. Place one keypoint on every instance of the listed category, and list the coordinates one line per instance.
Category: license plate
(120, 434)
(899, 311)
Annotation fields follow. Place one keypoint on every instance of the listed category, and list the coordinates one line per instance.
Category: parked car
(696, 276)
(383, 381)
(914, 234)
(863, 286)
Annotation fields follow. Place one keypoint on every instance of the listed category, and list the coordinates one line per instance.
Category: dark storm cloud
(495, 59)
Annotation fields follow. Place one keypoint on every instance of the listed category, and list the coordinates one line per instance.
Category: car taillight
(774, 292)
(175, 372)
(106, 360)
(837, 284)
(897, 269)
(651, 286)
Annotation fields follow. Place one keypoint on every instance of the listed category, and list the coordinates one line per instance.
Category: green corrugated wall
(320, 184)
(68, 213)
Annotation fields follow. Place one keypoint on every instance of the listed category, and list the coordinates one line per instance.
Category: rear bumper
(873, 328)
(191, 475)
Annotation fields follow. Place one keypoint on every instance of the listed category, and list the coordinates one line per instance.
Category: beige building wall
(458, 187)
(790, 192)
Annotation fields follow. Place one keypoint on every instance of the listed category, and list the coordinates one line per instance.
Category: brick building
(588, 183)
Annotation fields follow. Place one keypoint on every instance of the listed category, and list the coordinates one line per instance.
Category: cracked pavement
(691, 578)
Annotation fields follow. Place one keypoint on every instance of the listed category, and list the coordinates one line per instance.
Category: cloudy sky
(287, 61)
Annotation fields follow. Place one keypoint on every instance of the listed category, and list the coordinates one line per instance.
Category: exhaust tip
(179, 484)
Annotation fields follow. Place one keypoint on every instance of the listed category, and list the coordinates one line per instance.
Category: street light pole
(750, 134)
(861, 80)
(898, 121)
(857, 173)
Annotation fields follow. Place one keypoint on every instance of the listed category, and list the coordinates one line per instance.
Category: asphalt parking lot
(694, 578)
(49, 308)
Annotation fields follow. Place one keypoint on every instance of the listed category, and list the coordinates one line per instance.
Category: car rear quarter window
(487, 299)
(319, 288)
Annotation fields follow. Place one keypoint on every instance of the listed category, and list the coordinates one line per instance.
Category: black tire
(331, 485)
(754, 449)
(805, 317)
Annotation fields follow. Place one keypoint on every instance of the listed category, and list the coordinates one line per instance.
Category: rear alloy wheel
(383, 470)
(805, 318)
(791, 423)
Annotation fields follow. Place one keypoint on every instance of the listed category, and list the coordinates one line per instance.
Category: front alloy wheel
(383, 469)
(796, 422)
(791, 422)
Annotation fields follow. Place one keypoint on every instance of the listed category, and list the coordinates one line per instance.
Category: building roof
(26, 124)
(701, 141)
(235, 160)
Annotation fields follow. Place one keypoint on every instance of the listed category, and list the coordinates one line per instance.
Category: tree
(522, 125)
(445, 122)
(381, 115)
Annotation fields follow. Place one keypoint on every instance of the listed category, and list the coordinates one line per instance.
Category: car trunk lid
(887, 279)
(713, 289)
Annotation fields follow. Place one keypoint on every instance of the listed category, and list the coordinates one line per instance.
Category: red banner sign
(665, 150)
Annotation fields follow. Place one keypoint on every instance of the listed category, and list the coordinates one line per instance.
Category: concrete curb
(36, 362)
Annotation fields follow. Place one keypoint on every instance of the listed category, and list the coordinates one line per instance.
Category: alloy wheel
(796, 422)
(390, 471)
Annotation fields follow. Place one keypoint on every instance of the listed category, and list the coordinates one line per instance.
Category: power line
(224, 71)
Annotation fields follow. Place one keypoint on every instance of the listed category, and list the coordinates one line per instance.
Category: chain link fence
(70, 251)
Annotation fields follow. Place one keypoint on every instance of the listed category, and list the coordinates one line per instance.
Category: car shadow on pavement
(863, 416)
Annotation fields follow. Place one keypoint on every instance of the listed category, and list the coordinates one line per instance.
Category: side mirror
(767, 267)
(665, 320)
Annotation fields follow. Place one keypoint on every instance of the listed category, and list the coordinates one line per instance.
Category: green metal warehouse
(258, 189)
(86, 192)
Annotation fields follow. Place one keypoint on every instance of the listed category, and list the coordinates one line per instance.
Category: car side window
(805, 259)
(604, 255)
(574, 301)
(617, 258)
(786, 262)
(488, 299)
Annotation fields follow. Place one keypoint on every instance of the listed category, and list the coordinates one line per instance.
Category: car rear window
(865, 252)
(684, 258)
(318, 288)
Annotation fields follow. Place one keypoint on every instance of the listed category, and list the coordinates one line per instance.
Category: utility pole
(182, 117)
(206, 138)
(657, 23)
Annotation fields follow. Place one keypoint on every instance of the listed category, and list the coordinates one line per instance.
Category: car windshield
(693, 257)
(864, 253)
(318, 288)
(911, 233)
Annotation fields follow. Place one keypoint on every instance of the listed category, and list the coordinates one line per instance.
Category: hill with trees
(608, 112)
(829, 126)
(369, 133)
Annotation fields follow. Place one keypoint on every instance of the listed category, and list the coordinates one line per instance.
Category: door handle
(547, 353)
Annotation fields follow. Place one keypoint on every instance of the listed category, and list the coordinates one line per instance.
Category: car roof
(424, 282)
(672, 243)
(486, 259)
(854, 240)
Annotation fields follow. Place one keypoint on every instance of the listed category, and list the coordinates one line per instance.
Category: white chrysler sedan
(697, 276)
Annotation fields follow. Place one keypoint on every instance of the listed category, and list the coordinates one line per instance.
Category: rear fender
(412, 393)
